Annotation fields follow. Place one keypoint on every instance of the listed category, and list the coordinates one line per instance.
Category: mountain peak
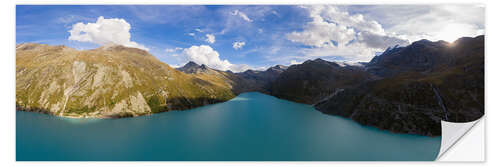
(129, 80)
(192, 67)
(311, 61)
(109, 45)
(280, 67)
(120, 48)
(250, 71)
(422, 56)
(319, 60)
(28, 46)
(191, 64)
(38, 47)
(422, 41)
(468, 39)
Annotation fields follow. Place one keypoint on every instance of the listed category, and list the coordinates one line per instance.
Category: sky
(237, 38)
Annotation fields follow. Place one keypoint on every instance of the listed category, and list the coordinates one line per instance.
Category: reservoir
(250, 127)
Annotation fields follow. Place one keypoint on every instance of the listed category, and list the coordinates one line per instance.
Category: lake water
(250, 127)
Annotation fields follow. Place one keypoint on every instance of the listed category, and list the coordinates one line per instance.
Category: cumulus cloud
(238, 45)
(204, 54)
(333, 32)
(432, 22)
(240, 67)
(103, 32)
(210, 38)
(352, 52)
(242, 15)
(319, 33)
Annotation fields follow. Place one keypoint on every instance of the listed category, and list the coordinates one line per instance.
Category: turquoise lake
(250, 127)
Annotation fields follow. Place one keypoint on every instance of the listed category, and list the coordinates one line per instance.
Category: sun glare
(452, 32)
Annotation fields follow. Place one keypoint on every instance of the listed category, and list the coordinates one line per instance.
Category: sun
(453, 31)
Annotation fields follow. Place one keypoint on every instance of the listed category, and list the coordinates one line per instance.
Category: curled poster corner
(451, 133)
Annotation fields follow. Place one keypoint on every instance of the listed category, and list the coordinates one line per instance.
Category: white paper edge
(452, 132)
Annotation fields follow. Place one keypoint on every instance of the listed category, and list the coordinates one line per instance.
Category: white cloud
(333, 32)
(352, 52)
(238, 45)
(433, 22)
(204, 54)
(191, 34)
(240, 67)
(292, 62)
(175, 65)
(275, 49)
(275, 13)
(171, 50)
(210, 38)
(67, 19)
(448, 32)
(240, 19)
(320, 33)
(198, 30)
(242, 15)
(103, 32)
(373, 40)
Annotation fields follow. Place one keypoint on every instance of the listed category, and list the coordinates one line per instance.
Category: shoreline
(100, 116)
(149, 114)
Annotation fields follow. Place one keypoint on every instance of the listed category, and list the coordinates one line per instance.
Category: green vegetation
(110, 81)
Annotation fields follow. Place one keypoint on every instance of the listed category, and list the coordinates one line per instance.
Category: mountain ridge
(417, 86)
(110, 82)
(406, 89)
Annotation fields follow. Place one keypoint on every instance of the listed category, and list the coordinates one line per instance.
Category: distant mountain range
(405, 89)
(247, 81)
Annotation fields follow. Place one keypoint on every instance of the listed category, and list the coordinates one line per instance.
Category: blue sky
(241, 37)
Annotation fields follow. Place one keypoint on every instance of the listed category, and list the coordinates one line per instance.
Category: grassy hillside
(113, 81)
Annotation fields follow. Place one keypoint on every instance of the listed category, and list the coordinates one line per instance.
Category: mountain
(277, 69)
(261, 80)
(314, 80)
(193, 68)
(406, 89)
(111, 81)
(247, 81)
(418, 86)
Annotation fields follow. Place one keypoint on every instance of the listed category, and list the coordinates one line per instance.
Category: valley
(407, 89)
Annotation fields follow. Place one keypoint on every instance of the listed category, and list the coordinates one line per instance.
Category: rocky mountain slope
(248, 81)
(420, 85)
(315, 80)
(111, 81)
(193, 68)
(261, 81)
